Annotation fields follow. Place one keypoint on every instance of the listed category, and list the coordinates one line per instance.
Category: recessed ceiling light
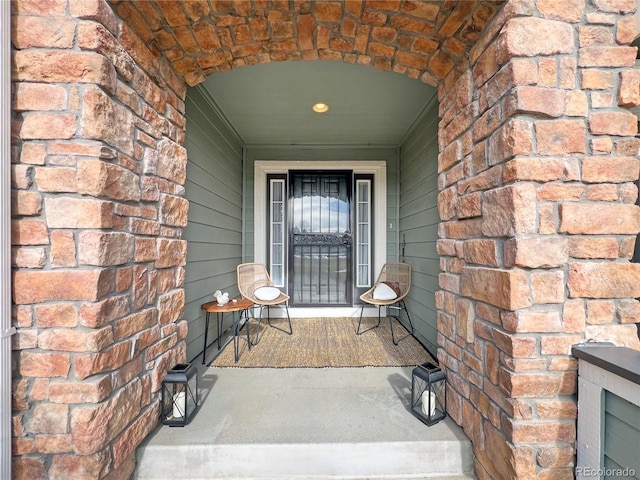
(320, 107)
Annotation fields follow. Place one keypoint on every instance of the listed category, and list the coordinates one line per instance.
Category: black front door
(320, 264)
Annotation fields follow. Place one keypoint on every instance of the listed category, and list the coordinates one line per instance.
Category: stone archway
(533, 133)
(423, 40)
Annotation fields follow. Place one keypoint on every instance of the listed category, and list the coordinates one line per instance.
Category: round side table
(236, 305)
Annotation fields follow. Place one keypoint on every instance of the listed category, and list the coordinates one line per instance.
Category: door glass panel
(320, 238)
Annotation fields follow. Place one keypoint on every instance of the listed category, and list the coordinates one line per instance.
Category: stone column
(538, 172)
(98, 207)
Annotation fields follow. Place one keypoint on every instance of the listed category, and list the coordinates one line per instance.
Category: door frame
(378, 168)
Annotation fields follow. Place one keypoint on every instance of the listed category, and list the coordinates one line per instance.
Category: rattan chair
(399, 275)
(252, 276)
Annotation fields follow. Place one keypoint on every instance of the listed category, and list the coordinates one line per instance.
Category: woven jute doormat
(325, 342)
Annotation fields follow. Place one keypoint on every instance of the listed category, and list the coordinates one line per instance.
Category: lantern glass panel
(179, 397)
(428, 393)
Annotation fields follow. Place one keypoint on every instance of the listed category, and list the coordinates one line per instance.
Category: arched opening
(418, 40)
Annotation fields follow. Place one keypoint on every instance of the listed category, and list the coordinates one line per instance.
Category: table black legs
(237, 327)
(206, 332)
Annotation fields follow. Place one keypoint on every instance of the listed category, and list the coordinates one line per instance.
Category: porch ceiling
(271, 103)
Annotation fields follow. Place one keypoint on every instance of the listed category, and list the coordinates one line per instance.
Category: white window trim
(378, 168)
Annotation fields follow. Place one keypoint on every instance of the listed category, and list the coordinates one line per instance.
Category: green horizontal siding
(621, 438)
(214, 232)
(419, 219)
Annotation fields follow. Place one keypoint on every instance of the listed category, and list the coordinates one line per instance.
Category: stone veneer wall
(537, 173)
(538, 183)
(98, 174)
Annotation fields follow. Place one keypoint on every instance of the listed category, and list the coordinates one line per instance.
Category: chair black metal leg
(246, 325)
(393, 338)
(236, 346)
(290, 332)
(258, 328)
(246, 316)
(408, 317)
(358, 332)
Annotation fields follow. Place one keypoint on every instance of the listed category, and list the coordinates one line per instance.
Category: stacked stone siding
(538, 173)
(98, 212)
(415, 38)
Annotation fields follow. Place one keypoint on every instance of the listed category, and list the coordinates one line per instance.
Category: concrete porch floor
(305, 423)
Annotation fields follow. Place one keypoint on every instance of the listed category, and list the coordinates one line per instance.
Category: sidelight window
(277, 230)
(363, 233)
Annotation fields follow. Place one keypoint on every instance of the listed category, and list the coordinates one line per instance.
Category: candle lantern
(179, 397)
(428, 393)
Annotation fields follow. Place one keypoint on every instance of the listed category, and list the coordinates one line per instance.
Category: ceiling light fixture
(320, 107)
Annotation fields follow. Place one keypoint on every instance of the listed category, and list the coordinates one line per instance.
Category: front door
(320, 234)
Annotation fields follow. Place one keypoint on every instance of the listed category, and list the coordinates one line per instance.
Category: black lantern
(428, 393)
(179, 397)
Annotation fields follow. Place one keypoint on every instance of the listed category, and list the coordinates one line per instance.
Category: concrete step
(306, 424)
(384, 460)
